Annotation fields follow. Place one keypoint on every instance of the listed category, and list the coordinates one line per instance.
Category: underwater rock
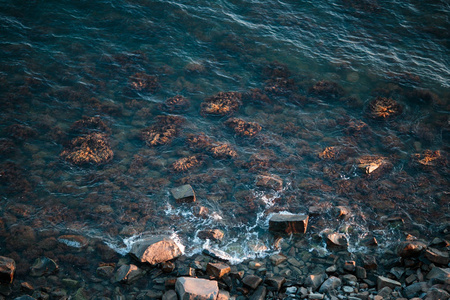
(7, 146)
(21, 132)
(270, 181)
(92, 148)
(217, 269)
(211, 234)
(335, 153)
(43, 266)
(187, 163)
(177, 103)
(7, 269)
(256, 96)
(144, 82)
(196, 288)
(279, 86)
(383, 108)
(184, 193)
(327, 89)
(216, 149)
(285, 223)
(429, 158)
(369, 164)
(90, 125)
(336, 241)
(221, 104)
(21, 236)
(165, 129)
(243, 128)
(75, 241)
(11, 176)
(155, 249)
(128, 274)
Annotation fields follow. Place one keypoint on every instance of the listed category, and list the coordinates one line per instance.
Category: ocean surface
(308, 72)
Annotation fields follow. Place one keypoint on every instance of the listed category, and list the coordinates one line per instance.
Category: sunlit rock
(410, 249)
(217, 269)
(336, 240)
(163, 131)
(155, 249)
(369, 164)
(287, 223)
(187, 163)
(196, 289)
(128, 274)
(177, 103)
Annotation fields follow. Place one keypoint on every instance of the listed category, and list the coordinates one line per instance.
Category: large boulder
(155, 249)
(287, 223)
(189, 288)
(7, 269)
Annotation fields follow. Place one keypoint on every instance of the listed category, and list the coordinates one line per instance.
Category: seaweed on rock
(89, 125)
(163, 131)
(216, 149)
(243, 128)
(187, 163)
(222, 104)
(383, 108)
(144, 82)
(92, 148)
(327, 89)
(177, 103)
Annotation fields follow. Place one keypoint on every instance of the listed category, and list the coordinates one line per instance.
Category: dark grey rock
(360, 272)
(336, 241)
(155, 249)
(25, 297)
(7, 269)
(315, 281)
(439, 275)
(105, 271)
(196, 289)
(436, 256)
(270, 181)
(362, 295)
(397, 272)
(385, 292)
(128, 274)
(349, 279)
(252, 281)
(277, 259)
(184, 194)
(331, 283)
(170, 295)
(386, 282)
(415, 289)
(350, 266)
(275, 282)
(369, 262)
(40, 295)
(316, 296)
(437, 294)
(288, 224)
(217, 269)
(259, 294)
(211, 234)
(43, 266)
(410, 249)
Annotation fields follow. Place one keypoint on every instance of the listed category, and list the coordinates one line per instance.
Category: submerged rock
(144, 82)
(177, 103)
(43, 266)
(429, 158)
(211, 234)
(75, 241)
(92, 148)
(7, 269)
(201, 142)
(384, 108)
(243, 128)
(187, 163)
(196, 289)
(326, 89)
(286, 223)
(373, 164)
(155, 249)
(270, 181)
(221, 104)
(163, 131)
(184, 193)
(128, 274)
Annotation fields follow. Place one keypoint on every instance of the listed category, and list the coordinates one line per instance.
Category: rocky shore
(155, 268)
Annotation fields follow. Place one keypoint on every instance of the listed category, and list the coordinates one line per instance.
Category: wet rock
(369, 262)
(429, 158)
(170, 295)
(275, 282)
(382, 108)
(75, 241)
(386, 282)
(277, 259)
(259, 294)
(349, 279)
(92, 148)
(196, 289)
(341, 211)
(187, 163)
(163, 131)
(270, 181)
(70, 283)
(327, 89)
(336, 241)
(436, 256)
(105, 271)
(40, 295)
(43, 266)
(143, 82)
(288, 224)
(243, 128)
(373, 164)
(360, 272)
(435, 294)
(80, 294)
(439, 275)
(221, 104)
(216, 254)
(252, 281)
(7, 269)
(200, 211)
(184, 193)
(409, 249)
(314, 281)
(24, 297)
(26, 287)
(155, 249)
(415, 289)
(217, 269)
(128, 274)
(177, 103)
(211, 234)
(167, 267)
(20, 132)
(331, 283)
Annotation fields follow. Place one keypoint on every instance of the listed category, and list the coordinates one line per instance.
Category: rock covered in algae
(92, 148)
(429, 158)
(222, 104)
(243, 128)
(177, 103)
(144, 82)
(163, 131)
(89, 125)
(326, 89)
(187, 163)
(383, 108)
(201, 142)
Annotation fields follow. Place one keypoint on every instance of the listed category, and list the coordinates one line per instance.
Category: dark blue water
(62, 60)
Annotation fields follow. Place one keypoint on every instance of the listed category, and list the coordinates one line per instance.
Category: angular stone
(360, 272)
(331, 283)
(272, 182)
(350, 266)
(43, 266)
(316, 296)
(336, 241)
(369, 262)
(314, 281)
(414, 289)
(439, 275)
(277, 259)
(275, 282)
(252, 281)
(211, 234)
(105, 271)
(410, 249)
(223, 295)
(385, 292)
(397, 272)
(7, 269)
(259, 294)
(410, 279)
(349, 279)
(217, 269)
(436, 256)
(184, 194)
(437, 294)
(155, 249)
(128, 274)
(170, 295)
(196, 289)
(288, 223)
(386, 282)
(74, 241)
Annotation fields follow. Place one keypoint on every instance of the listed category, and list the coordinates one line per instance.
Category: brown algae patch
(92, 148)
(243, 128)
(221, 104)
(384, 108)
(165, 129)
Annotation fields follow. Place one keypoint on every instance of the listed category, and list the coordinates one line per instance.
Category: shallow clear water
(62, 60)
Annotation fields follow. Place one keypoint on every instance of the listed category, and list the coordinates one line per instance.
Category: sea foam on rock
(155, 249)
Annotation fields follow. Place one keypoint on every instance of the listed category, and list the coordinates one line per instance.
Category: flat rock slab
(386, 282)
(217, 269)
(184, 194)
(7, 269)
(436, 256)
(331, 283)
(288, 223)
(155, 250)
(252, 281)
(196, 289)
